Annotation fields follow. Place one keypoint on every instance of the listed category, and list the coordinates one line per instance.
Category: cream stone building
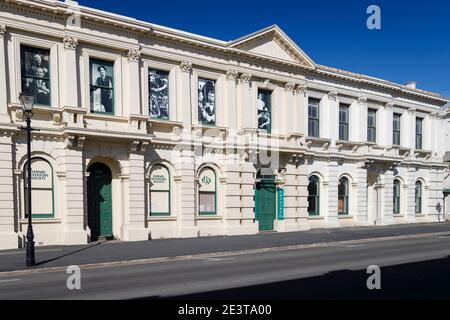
(147, 132)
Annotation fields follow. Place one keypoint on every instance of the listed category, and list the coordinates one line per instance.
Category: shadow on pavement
(39, 264)
(422, 280)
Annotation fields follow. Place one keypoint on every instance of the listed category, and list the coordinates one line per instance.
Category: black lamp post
(27, 101)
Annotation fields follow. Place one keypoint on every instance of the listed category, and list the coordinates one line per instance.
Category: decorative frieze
(332, 95)
(134, 55)
(186, 66)
(232, 75)
(70, 43)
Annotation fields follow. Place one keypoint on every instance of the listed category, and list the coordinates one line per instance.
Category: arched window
(159, 191)
(42, 189)
(313, 196)
(343, 196)
(419, 191)
(207, 197)
(397, 198)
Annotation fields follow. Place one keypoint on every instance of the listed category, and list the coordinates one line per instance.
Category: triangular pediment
(272, 42)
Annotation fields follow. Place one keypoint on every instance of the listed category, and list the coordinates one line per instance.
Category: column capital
(134, 55)
(301, 88)
(70, 43)
(289, 86)
(412, 111)
(389, 105)
(246, 77)
(232, 75)
(332, 95)
(186, 66)
(2, 30)
(362, 100)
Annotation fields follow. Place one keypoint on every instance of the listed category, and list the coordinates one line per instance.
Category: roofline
(146, 27)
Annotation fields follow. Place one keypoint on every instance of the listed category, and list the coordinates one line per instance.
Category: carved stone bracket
(70, 43)
(139, 146)
(75, 142)
(186, 66)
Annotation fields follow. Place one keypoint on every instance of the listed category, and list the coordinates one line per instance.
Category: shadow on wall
(422, 280)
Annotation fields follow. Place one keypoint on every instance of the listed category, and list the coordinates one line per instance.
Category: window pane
(312, 205)
(159, 178)
(102, 86)
(207, 202)
(264, 110)
(159, 202)
(207, 101)
(35, 66)
(158, 84)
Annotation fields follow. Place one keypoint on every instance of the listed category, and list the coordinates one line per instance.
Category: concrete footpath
(117, 251)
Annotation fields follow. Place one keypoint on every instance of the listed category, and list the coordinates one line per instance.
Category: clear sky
(412, 45)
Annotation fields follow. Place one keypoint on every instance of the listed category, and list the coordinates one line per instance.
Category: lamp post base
(31, 261)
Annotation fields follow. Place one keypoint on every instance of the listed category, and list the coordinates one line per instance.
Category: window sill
(316, 218)
(420, 215)
(161, 218)
(345, 217)
(210, 217)
(41, 221)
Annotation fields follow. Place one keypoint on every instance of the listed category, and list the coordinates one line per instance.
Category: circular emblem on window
(206, 180)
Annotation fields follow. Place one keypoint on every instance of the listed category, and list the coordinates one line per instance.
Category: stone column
(329, 115)
(247, 112)
(410, 194)
(288, 112)
(4, 117)
(74, 215)
(134, 86)
(408, 129)
(361, 213)
(358, 120)
(301, 107)
(385, 120)
(184, 108)
(331, 214)
(70, 78)
(387, 197)
(136, 198)
(8, 237)
(230, 100)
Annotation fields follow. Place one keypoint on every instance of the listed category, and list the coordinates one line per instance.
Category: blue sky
(413, 44)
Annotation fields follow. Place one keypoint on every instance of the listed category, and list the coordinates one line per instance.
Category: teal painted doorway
(99, 201)
(266, 204)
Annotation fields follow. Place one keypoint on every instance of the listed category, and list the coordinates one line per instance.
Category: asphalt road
(410, 268)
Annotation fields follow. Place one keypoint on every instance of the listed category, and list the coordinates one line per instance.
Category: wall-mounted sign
(207, 181)
(41, 186)
(280, 197)
(159, 178)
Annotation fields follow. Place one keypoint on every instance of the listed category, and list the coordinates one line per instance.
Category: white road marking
(10, 280)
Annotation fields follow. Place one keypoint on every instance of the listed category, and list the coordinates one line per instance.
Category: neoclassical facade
(147, 132)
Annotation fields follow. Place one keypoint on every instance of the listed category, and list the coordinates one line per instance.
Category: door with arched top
(99, 201)
(266, 202)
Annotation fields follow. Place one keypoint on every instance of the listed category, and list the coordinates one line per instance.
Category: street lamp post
(27, 101)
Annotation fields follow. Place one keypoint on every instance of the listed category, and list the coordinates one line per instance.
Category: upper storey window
(264, 105)
(419, 133)
(102, 86)
(35, 65)
(159, 94)
(207, 102)
(397, 127)
(313, 118)
(343, 122)
(372, 125)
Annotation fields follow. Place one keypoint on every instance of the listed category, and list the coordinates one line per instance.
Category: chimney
(412, 85)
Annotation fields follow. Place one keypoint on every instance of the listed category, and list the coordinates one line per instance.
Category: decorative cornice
(134, 55)
(362, 100)
(332, 95)
(232, 75)
(186, 66)
(246, 77)
(289, 86)
(70, 43)
(2, 30)
(389, 105)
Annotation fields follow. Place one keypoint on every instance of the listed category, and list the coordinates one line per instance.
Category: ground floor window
(313, 196)
(42, 189)
(159, 191)
(419, 191)
(207, 192)
(397, 197)
(343, 196)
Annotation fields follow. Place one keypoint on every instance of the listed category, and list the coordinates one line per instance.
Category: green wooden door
(99, 202)
(266, 206)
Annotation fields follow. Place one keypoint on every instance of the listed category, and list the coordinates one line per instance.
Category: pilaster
(70, 89)
(4, 117)
(134, 92)
(247, 110)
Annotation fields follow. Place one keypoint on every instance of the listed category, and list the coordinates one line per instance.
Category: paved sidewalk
(103, 252)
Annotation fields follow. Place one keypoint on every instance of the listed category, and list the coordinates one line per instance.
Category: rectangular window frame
(160, 214)
(207, 213)
(149, 92)
(270, 112)
(396, 138)
(344, 127)
(91, 60)
(419, 135)
(313, 120)
(372, 130)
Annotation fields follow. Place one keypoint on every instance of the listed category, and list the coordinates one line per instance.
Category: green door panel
(266, 205)
(99, 201)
